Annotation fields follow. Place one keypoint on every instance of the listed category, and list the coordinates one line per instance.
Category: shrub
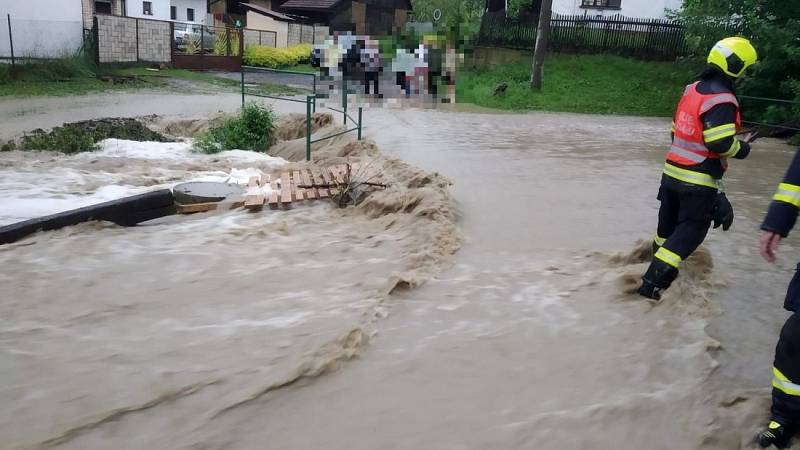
(251, 130)
(275, 58)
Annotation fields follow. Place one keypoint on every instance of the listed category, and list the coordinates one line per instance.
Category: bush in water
(82, 136)
(261, 56)
(251, 130)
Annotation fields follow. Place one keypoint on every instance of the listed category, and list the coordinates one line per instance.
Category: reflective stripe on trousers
(691, 177)
(783, 384)
(669, 257)
(788, 193)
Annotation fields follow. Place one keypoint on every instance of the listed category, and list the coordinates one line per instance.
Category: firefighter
(704, 135)
(780, 219)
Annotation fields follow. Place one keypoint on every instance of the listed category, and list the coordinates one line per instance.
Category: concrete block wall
(116, 39)
(256, 37)
(155, 39)
(294, 34)
(321, 33)
(300, 34)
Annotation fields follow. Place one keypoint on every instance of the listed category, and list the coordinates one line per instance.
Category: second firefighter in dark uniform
(781, 218)
(704, 131)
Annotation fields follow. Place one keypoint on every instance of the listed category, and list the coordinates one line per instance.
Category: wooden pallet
(290, 187)
(300, 185)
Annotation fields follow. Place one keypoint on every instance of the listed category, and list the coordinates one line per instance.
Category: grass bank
(595, 84)
(77, 76)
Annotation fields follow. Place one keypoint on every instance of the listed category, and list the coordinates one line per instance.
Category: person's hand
(769, 245)
(750, 137)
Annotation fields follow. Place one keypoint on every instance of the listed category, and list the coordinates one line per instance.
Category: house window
(611, 4)
(173, 13)
(190, 14)
(147, 8)
(102, 7)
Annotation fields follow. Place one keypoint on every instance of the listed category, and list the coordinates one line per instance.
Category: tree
(773, 26)
(542, 35)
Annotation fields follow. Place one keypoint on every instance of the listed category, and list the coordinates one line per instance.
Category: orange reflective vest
(688, 146)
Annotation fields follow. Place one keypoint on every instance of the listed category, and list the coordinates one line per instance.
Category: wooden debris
(255, 198)
(286, 189)
(296, 190)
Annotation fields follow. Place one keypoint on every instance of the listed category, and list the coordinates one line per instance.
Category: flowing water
(203, 332)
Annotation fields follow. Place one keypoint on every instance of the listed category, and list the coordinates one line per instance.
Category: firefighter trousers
(683, 222)
(786, 374)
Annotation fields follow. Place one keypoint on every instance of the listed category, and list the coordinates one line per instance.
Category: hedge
(275, 58)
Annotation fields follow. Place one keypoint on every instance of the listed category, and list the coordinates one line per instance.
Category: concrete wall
(57, 10)
(117, 40)
(257, 21)
(259, 37)
(300, 34)
(155, 41)
(199, 7)
(42, 28)
(654, 9)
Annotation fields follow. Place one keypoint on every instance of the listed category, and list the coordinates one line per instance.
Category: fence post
(137, 39)
(314, 105)
(227, 41)
(344, 99)
(242, 87)
(202, 40)
(359, 122)
(308, 128)
(96, 32)
(11, 41)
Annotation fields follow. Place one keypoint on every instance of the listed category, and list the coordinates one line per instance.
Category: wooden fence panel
(640, 38)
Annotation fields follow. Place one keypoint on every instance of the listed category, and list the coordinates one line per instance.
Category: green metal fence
(309, 100)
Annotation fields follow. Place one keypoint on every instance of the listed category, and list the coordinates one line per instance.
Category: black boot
(657, 279)
(650, 290)
(775, 434)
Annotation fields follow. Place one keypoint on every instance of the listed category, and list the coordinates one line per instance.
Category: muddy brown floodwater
(174, 334)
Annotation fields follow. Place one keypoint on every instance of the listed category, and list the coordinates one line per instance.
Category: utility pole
(542, 35)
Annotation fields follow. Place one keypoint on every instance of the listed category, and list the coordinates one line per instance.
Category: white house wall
(631, 8)
(199, 7)
(42, 28)
(160, 9)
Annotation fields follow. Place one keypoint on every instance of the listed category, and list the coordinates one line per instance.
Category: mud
(531, 339)
(293, 126)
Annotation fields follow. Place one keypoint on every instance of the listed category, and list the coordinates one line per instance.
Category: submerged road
(528, 340)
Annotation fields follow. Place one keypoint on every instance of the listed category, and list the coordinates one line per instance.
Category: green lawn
(597, 84)
(305, 68)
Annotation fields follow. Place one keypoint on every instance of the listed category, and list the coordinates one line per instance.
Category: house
(373, 17)
(261, 17)
(194, 11)
(42, 28)
(650, 9)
